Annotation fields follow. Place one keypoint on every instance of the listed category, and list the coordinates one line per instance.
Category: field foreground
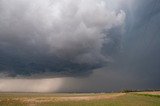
(99, 99)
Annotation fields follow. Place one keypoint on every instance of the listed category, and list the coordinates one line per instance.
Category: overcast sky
(79, 46)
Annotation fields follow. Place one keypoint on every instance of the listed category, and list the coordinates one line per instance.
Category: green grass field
(108, 99)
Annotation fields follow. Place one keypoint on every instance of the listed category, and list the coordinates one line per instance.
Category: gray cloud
(92, 35)
(55, 36)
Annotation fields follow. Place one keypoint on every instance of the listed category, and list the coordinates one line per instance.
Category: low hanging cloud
(63, 37)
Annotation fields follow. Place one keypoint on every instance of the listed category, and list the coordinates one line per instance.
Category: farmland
(81, 99)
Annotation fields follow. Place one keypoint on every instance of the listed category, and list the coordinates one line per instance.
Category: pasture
(81, 99)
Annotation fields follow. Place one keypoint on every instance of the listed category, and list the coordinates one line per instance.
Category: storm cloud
(89, 45)
(58, 36)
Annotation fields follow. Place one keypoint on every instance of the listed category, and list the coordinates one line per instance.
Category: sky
(79, 46)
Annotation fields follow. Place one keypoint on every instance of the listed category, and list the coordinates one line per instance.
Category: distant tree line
(136, 90)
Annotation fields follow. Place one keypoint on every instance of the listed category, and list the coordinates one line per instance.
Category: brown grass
(33, 100)
(151, 93)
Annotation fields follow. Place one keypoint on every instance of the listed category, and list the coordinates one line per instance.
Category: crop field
(82, 99)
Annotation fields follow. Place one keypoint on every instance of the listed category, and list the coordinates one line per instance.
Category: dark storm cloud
(137, 64)
(129, 61)
(64, 37)
(142, 41)
(140, 56)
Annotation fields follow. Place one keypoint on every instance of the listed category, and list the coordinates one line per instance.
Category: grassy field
(107, 99)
